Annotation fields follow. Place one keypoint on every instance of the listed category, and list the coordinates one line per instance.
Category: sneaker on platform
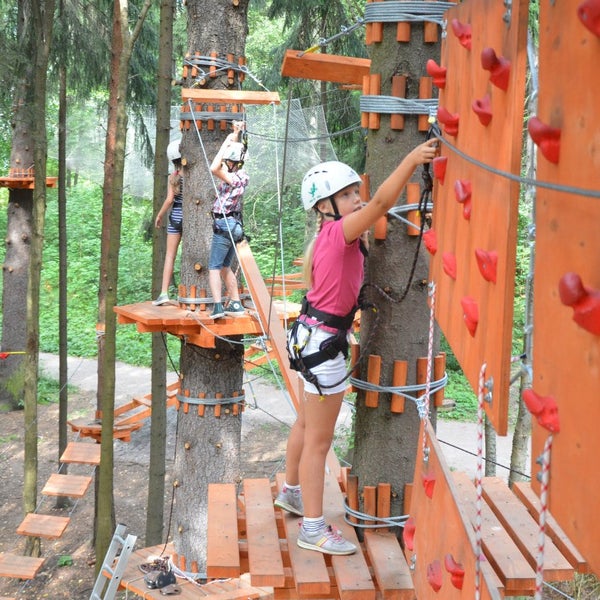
(162, 299)
(290, 501)
(326, 540)
(235, 309)
(217, 311)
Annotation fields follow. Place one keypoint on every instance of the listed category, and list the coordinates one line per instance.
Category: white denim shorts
(329, 373)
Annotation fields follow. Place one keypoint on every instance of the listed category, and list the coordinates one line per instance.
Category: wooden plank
(19, 567)
(524, 530)
(502, 553)
(222, 555)
(25, 183)
(325, 67)
(269, 318)
(308, 568)
(229, 96)
(81, 453)
(530, 500)
(73, 486)
(264, 554)
(45, 526)
(392, 573)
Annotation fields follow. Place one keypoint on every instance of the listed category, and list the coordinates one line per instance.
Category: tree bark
(207, 448)
(386, 442)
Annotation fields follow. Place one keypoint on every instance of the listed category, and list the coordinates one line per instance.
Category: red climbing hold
(589, 14)
(439, 168)
(449, 264)
(463, 32)
(430, 241)
(487, 263)
(498, 66)
(470, 314)
(4, 355)
(408, 534)
(584, 301)
(434, 575)
(456, 570)
(544, 409)
(546, 138)
(448, 120)
(437, 73)
(462, 191)
(483, 109)
(428, 484)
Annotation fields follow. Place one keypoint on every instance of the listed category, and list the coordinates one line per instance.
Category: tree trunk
(386, 442)
(158, 423)
(208, 448)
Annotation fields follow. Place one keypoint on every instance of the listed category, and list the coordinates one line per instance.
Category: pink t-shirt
(338, 271)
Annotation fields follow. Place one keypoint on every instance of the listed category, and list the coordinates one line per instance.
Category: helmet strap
(336, 213)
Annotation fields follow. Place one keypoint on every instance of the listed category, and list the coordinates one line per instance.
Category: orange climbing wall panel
(440, 528)
(566, 357)
(492, 226)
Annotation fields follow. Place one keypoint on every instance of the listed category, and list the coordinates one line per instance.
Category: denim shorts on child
(222, 249)
(329, 373)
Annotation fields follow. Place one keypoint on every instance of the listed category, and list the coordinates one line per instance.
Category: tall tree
(208, 448)
(123, 41)
(158, 430)
(405, 336)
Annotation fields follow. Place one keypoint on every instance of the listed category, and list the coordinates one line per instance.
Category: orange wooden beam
(325, 67)
(229, 96)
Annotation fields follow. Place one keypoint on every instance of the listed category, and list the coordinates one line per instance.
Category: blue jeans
(222, 249)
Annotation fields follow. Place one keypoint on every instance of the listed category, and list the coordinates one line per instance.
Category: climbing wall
(566, 333)
(481, 79)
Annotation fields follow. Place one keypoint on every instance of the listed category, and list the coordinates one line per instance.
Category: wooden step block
(392, 572)
(524, 530)
(93, 428)
(530, 500)
(500, 550)
(44, 526)
(223, 554)
(82, 453)
(309, 569)
(19, 567)
(73, 486)
(264, 553)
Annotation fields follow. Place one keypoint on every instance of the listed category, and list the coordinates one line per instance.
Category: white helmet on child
(173, 150)
(236, 152)
(324, 180)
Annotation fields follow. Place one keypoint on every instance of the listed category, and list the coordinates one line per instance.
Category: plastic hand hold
(463, 32)
(449, 264)
(589, 14)
(437, 73)
(448, 120)
(408, 533)
(546, 138)
(430, 241)
(470, 314)
(434, 575)
(462, 191)
(428, 482)
(483, 109)
(439, 168)
(4, 355)
(584, 301)
(498, 66)
(487, 263)
(456, 570)
(544, 409)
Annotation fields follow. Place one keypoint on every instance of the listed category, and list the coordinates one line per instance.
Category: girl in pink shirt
(317, 344)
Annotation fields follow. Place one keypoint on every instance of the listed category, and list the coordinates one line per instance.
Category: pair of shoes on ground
(233, 309)
(326, 540)
(162, 299)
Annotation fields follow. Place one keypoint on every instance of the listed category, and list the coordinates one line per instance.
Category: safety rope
(394, 12)
(395, 105)
(545, 478)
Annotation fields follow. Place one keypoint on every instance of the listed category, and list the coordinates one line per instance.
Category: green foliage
(48, 390)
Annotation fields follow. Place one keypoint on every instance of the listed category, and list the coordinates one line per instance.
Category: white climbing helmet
(173, 150)
(324, 180)
(236, 152)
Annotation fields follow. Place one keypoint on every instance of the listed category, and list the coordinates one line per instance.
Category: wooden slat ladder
(20, 567)
(49, 527)
(82, 453)
(65, 484)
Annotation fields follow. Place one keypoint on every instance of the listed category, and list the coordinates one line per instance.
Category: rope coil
(411, 12)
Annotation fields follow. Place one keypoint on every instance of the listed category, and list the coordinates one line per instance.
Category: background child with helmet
(173, 206)
(334, 266)
(227, 165)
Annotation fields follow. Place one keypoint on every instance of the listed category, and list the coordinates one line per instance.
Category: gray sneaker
(235, 309)
(162, 299)
(290, 500)
(327, 540)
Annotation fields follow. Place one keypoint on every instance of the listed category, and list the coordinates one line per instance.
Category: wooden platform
(25, 183)
(73, 486)
(83, 453)
(19, 567)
